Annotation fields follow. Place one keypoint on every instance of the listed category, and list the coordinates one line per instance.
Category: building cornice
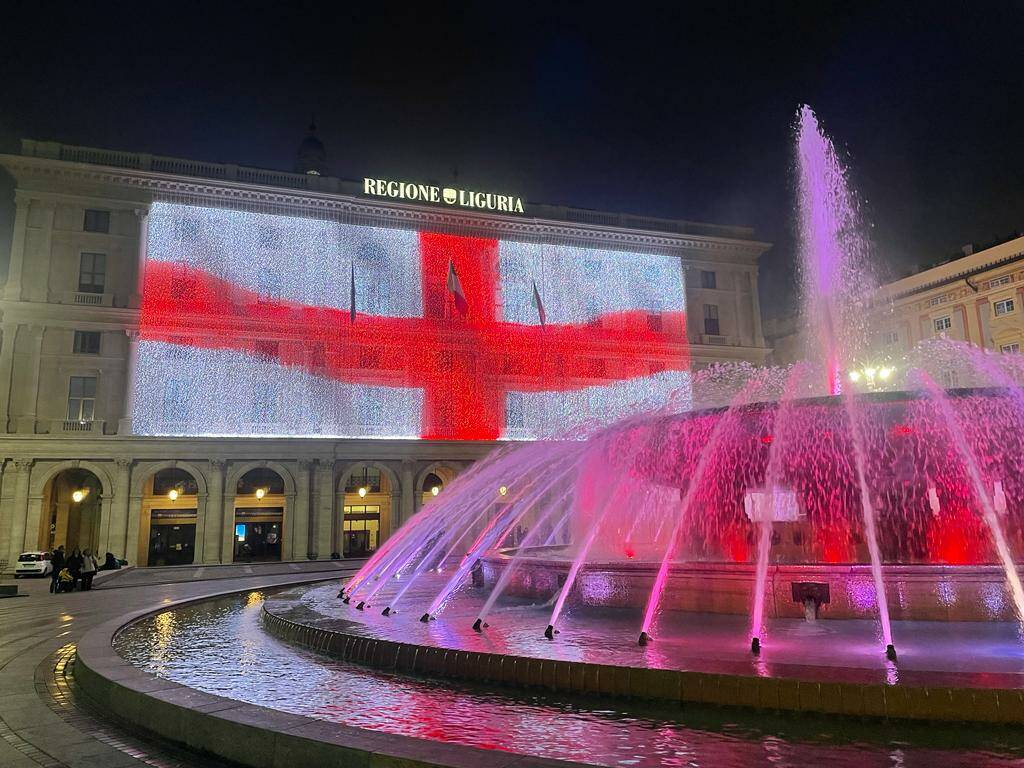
(154, 186)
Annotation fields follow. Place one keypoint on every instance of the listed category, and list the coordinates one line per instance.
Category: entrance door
(257, 541)
(172, 544)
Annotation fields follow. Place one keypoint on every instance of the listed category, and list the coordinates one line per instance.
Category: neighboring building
(976, 298)
(183, 377)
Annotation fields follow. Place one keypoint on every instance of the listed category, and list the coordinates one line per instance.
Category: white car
(33, 564)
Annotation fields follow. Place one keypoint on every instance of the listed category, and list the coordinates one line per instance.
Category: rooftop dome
(311, 157)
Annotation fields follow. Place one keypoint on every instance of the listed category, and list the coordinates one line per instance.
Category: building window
(264, 404)
(361, 528)
(92, 273)
(890, 337)
(1010, 348)
(1003, 307)
(96, 221)
(187, 228)
(950, 379)
(87, 343)
(711, 320)
(367, 477)
(174, 401)
(708, 279)
(82, 398)
(941, 324)
(995, 282)
(938, 300)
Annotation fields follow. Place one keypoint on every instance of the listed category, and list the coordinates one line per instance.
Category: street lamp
(261, 492)
(435, 490)
(78, 495)
(871, 376)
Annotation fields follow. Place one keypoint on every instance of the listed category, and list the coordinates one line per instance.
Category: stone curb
(975, 705)
(251, 735)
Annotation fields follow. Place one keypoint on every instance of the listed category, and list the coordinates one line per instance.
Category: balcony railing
(77, 427)
(84, 299)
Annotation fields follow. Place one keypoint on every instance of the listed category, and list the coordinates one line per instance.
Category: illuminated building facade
(976, 298)
(210, 363)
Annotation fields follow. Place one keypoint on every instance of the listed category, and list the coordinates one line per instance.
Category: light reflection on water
(219, 647)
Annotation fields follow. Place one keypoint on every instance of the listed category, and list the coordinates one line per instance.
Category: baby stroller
(65, 581)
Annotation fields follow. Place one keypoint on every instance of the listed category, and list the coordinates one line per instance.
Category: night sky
(685, 113)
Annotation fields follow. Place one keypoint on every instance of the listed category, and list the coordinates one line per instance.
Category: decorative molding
(334, 206)
(22, 464)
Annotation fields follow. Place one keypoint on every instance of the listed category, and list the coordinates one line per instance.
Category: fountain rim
(836, 401)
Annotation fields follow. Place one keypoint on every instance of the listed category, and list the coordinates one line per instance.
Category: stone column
(12, 290)
(214, 529)
(755, 299)
(135, 300)
(124, 424)
(394, 516)
(10, 336)
(26, 422)
(407, 478)
(131, 544)
(199, 551)
(19, 510)
(114, 523)
(299, 534)
(324, 508)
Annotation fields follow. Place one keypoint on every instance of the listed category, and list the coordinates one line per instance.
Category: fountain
(770, 493)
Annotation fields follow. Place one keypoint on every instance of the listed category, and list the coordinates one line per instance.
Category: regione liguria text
(431, 193)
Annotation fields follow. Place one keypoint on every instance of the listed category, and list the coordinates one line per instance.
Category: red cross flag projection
(460, 367)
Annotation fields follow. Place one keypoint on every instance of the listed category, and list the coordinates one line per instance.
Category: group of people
(77, 569)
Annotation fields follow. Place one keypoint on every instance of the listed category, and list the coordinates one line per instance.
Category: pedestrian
(57, 561)
(89, 567)
(110, 564)
(74, 564)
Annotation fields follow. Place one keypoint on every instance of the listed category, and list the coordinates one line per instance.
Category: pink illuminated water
(872, 478)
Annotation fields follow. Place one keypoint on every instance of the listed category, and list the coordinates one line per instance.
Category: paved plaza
(41, 722)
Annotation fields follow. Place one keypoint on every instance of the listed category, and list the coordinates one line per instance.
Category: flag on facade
(539, 305)
(455, 288)
(352, 297)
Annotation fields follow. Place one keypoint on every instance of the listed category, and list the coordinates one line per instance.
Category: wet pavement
(40, 722)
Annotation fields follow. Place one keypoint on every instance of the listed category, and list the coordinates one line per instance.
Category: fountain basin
(915, 592)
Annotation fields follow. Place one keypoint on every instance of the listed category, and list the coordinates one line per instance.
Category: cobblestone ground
(43, 722)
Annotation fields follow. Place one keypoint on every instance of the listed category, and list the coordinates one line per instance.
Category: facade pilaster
(114, 526)
(324, 508)
(10, 337)
(216, 531)
(124, 424)
(26, 422)
(299, 535)
(19, 511)
(407, 478)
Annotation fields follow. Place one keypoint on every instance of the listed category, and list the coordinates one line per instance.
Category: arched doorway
(433, 481)
(73, 500)
(366, 510)
(167, 527)
(259, 516)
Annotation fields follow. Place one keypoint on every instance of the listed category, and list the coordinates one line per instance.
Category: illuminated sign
(247, 329)
(431, 193)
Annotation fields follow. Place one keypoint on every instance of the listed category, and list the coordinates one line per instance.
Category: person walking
(57, 561)
(89, 568)
(74, 564)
